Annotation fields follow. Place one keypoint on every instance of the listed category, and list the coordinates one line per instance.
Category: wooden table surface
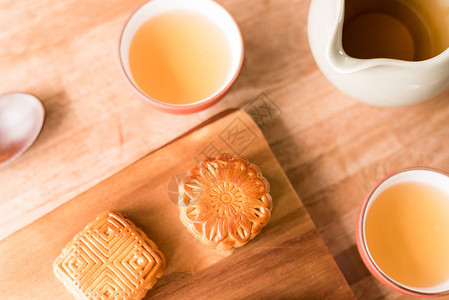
(332, 148)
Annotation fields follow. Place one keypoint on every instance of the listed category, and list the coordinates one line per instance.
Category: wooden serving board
(287, 260)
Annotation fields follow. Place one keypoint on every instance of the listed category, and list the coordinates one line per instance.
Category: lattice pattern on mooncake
(224, 201)
(110, 259)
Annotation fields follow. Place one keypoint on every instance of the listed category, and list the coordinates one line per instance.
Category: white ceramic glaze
(21, 120)
(207, 8)
(379, 81)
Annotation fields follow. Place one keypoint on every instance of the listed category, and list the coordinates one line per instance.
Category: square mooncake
(110, 259)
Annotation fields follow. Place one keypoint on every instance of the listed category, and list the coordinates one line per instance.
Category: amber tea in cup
(181, 55)
(403, 232)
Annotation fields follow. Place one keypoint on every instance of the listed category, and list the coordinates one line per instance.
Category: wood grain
(287, 260)
(332, 148)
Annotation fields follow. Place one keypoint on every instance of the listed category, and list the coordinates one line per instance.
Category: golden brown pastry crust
(110, 259)
(224, 201)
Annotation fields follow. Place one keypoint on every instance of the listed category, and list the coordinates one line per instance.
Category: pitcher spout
(345, 64)
(336, 55)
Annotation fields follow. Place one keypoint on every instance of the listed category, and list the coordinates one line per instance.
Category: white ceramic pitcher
(377, 81)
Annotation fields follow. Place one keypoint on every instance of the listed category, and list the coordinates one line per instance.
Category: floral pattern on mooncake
(224, 201)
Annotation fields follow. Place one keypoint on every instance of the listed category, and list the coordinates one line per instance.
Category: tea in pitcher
(411, 30)
(407, 234)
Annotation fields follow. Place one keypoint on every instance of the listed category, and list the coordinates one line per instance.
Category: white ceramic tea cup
(432, 177)
(207, 8)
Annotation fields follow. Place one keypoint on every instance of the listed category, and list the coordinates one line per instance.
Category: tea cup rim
(363, 249)
(189, 107)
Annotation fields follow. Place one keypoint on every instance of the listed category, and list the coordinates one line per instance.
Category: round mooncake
(224, 201)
